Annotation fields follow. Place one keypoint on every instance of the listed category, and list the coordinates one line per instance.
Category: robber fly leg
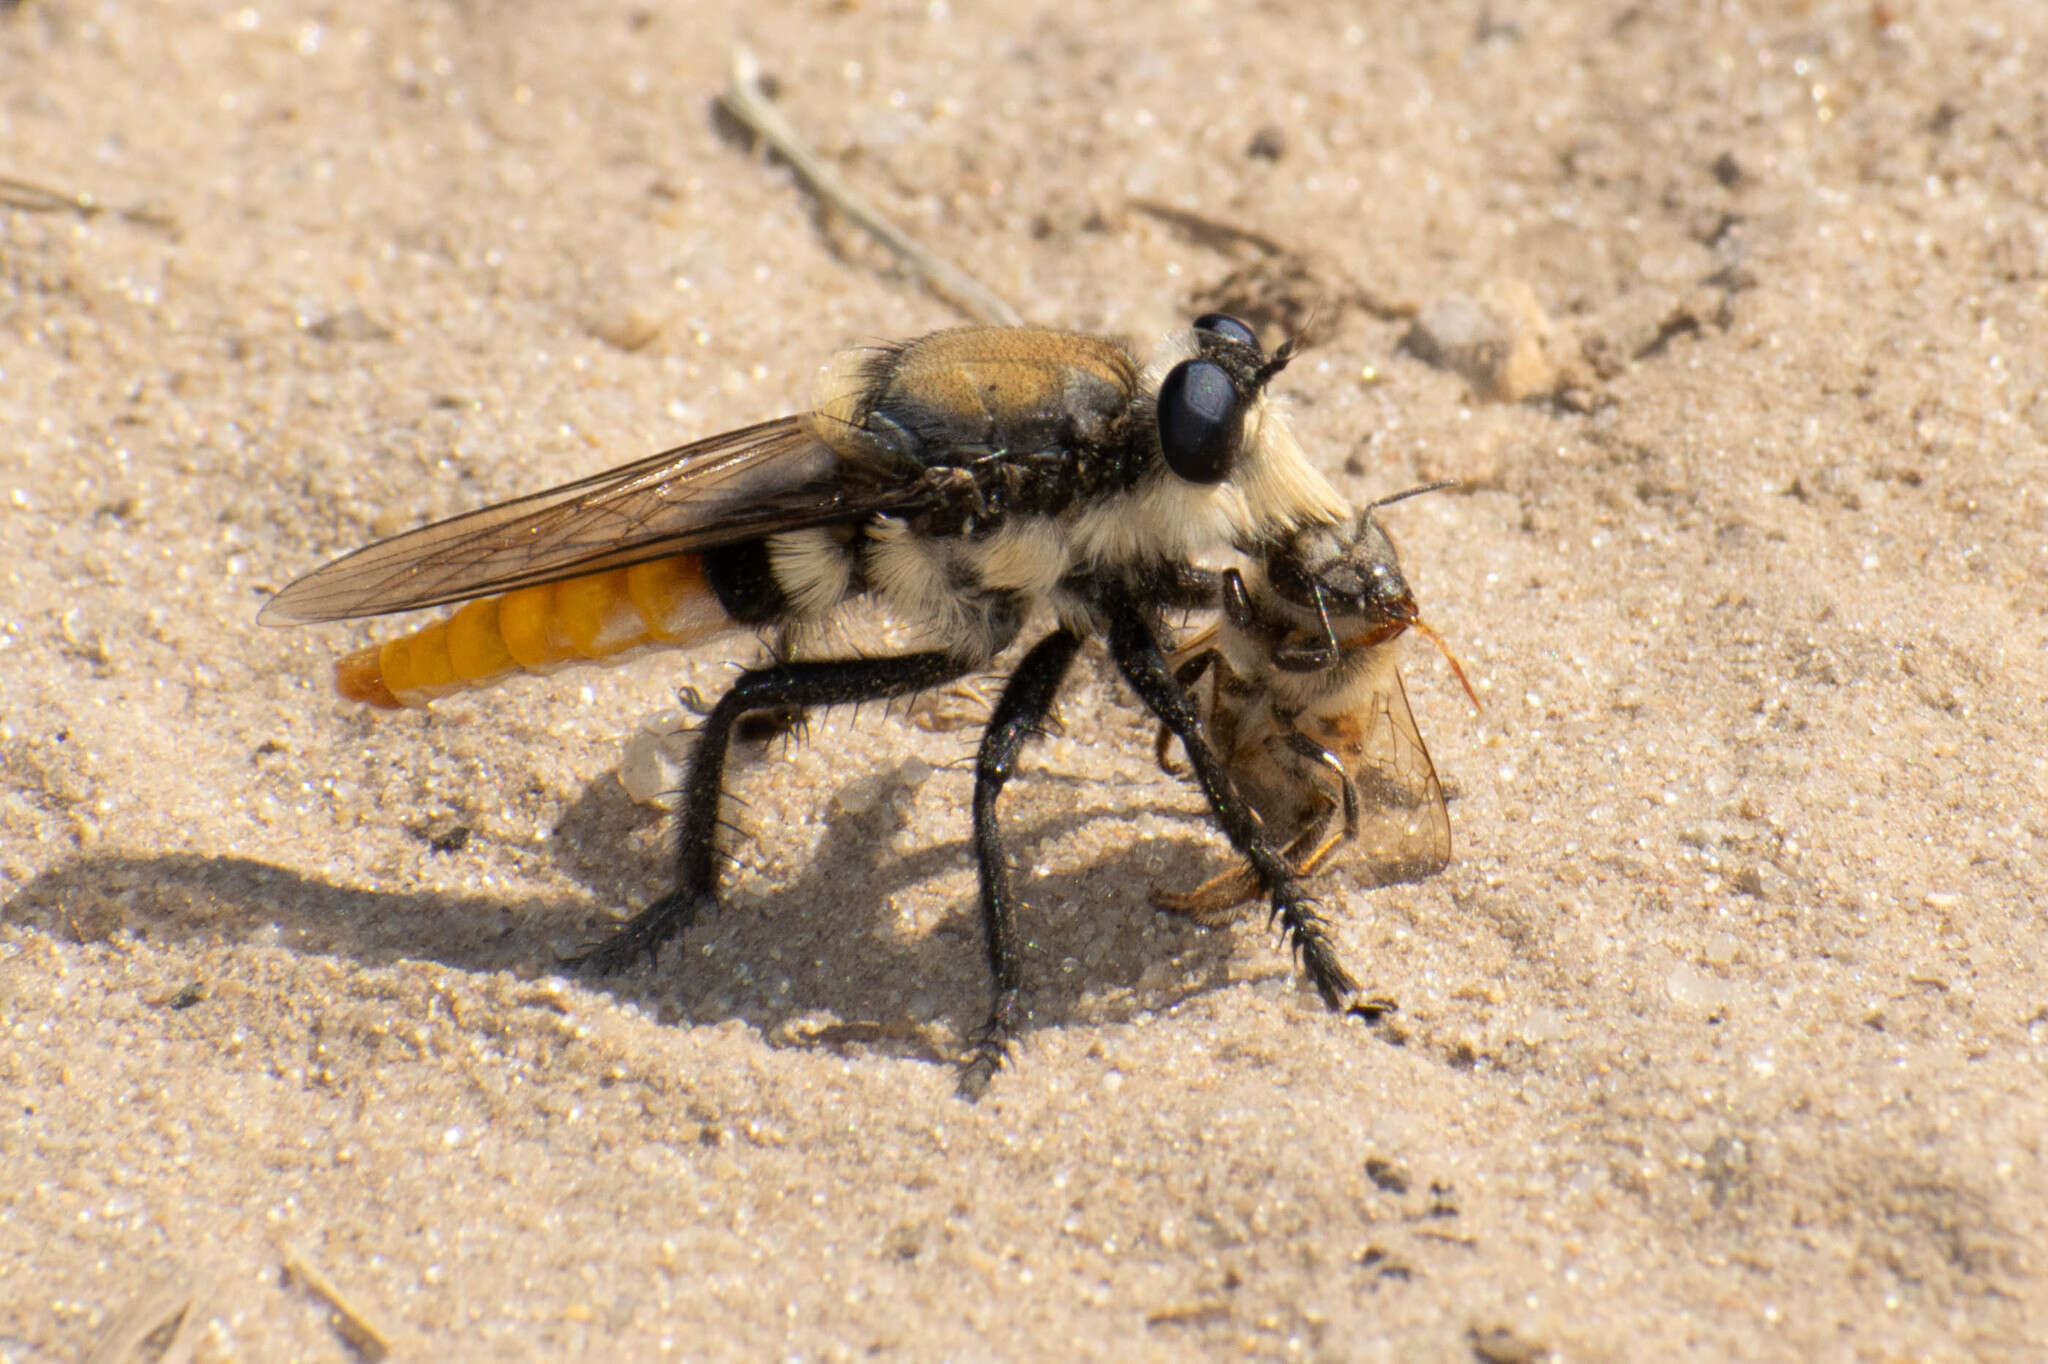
(1135, 647)
(779, 687)
(1290, 651)
(1017, 716)
(1186, 676)
(1189, 588)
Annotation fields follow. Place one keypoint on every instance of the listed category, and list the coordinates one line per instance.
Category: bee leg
(1310, 656)
(1135, 647)
(780, 686)
(1018, 714)
(1212, 903)
(1304, 747)
(1325, 839)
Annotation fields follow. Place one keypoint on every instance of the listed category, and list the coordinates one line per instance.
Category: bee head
(1203, 400)
(1351, 565)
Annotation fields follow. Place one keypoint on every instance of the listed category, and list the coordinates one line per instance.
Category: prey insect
(1300, 695)
(964, 481)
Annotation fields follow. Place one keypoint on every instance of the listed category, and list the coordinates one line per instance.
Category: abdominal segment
(665, 602)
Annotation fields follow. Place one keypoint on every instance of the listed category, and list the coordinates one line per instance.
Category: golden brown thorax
(1008, 369)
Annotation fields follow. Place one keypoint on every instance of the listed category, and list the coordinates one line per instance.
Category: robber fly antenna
(1294, 344)
(1281, 359)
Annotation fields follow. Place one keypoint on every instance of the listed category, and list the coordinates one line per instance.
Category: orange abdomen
(537, 630)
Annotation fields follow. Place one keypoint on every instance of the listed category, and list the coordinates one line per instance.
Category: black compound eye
(1223, 324)
(1200, 421)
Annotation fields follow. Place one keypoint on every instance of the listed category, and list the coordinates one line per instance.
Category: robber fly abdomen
(1301, 695)
(601, 617)
(962, 480)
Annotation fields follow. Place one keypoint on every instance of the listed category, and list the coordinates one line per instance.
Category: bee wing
(1404, 828)
(773, 476)
(1198, 643)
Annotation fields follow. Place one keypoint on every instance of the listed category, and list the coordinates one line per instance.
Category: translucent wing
(1201, 642)
(760, 479)
(1404, 828)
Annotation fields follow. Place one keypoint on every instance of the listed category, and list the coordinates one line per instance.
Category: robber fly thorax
(1300, 693)
(962, 480)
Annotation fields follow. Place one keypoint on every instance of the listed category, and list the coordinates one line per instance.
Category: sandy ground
(1723, 1037)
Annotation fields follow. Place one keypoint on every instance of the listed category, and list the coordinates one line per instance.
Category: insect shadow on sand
(187, 898)
(831, 941)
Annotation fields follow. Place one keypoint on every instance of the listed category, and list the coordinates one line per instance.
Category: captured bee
(963, 481)
(1300, 696)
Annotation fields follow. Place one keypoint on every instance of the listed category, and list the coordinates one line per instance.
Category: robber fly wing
(1404, 829)
(773, 476)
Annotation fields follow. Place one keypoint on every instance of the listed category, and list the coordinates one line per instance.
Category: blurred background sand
(1723, 1036)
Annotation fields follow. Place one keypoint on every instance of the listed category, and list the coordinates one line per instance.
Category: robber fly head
(1204, 401)
(1213, 458)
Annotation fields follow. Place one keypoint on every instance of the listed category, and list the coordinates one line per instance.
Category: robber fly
(1300, 696)
(962, 480)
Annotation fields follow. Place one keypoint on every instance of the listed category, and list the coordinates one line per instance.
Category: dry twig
(746, 101)
(348, 1320)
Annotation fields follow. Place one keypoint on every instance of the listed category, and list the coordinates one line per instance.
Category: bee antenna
(1407, 493)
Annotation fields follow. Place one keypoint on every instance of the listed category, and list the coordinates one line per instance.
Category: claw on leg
(1310, 936)
(642, 935)
(988, 1057)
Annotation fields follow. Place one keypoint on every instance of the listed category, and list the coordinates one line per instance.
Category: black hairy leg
(1019, 713)
(779, 687)
(1188, 588)
(755, 727)
(1135, 646)
(1185, 676)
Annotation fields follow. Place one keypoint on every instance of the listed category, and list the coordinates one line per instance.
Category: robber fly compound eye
(1201, 420)
(1223, 324)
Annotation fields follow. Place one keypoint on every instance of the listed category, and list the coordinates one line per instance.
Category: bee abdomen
(665, 603)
